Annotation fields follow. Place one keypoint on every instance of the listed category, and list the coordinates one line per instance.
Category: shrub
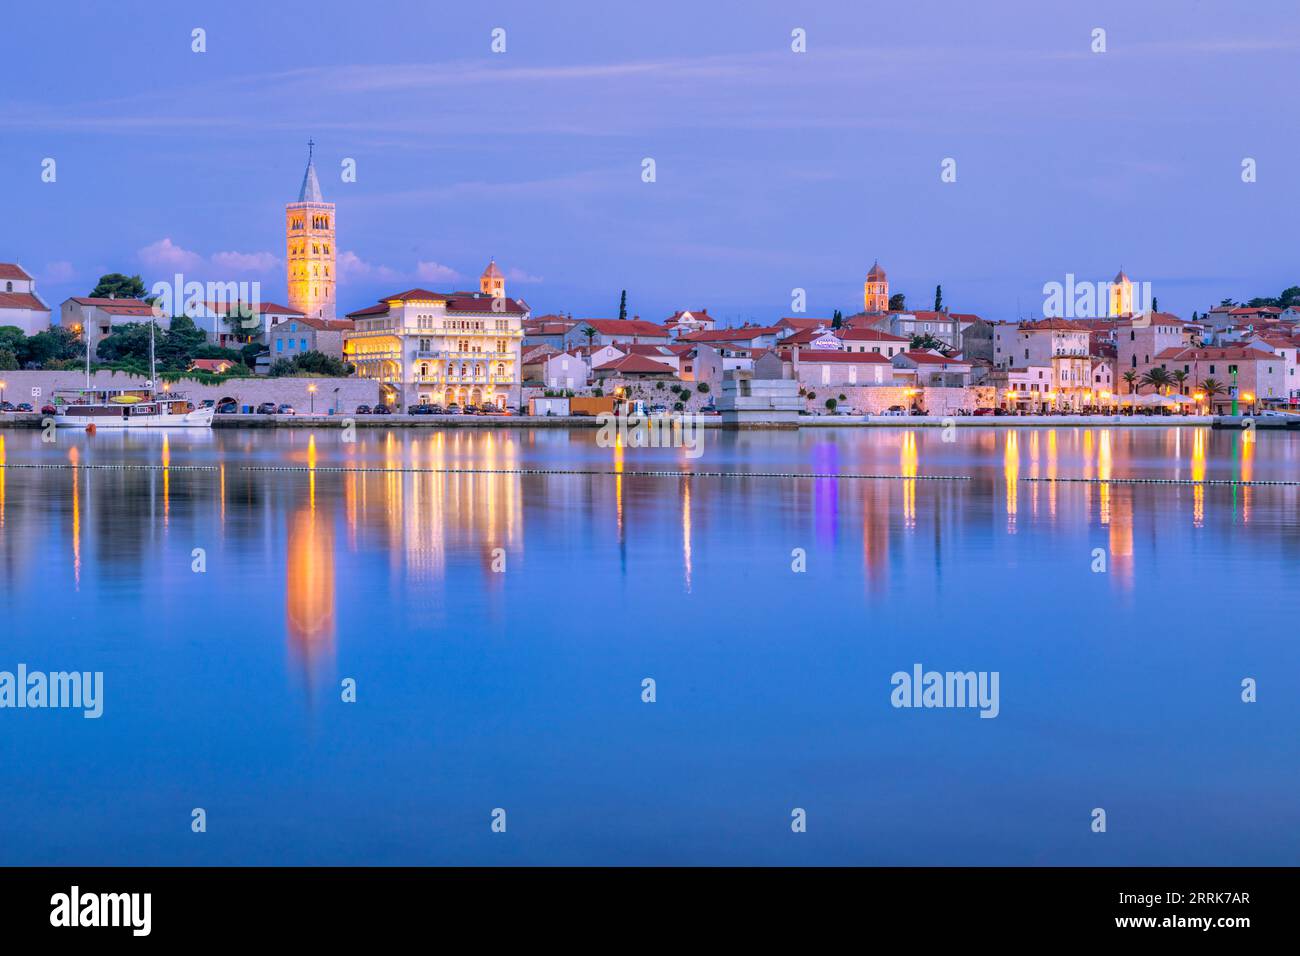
(702, 388)
(831, 403)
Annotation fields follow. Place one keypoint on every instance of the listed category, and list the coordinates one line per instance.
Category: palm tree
(590, 333)
(1129, 378)
(1180, 377)
(1212, 387)
(1157, 378)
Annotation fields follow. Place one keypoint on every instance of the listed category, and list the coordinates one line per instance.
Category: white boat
(127, 407)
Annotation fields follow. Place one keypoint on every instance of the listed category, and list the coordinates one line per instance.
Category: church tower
(875, 292)
(1121, 295)
(309, 244)
(492, 282)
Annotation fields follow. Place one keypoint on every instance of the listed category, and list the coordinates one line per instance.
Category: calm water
(522, 689)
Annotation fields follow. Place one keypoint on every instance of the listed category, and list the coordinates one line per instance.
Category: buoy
(90, 429)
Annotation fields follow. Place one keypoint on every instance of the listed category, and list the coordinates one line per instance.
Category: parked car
(267, 408)
(23, 407)
(436, 409)
(381, 410)
(453, 409)
(48, 409)
(985, 411)
(229, 408)
(6, 406)
(285, 410)
(712, 409)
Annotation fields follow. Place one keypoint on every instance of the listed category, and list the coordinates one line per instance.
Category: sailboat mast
(86, 325)
(152, 375)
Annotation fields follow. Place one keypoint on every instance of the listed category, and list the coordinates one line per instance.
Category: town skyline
(790, 170)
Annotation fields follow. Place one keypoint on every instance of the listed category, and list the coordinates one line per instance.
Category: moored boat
(128, 408)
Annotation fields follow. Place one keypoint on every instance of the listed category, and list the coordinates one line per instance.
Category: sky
(774, 170)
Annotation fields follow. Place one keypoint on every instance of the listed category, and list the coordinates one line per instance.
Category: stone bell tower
(309, 245)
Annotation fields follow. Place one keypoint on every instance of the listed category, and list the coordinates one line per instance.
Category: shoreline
(33, 420)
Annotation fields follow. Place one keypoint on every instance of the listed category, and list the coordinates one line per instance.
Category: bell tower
(492, 282)
(875, 291)
(309, 247)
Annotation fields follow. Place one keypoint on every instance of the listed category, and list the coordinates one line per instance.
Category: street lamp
(311, 390)
(2, 391)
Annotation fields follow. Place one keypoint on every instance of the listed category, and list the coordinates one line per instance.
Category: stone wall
(877, 399)
(246, 391)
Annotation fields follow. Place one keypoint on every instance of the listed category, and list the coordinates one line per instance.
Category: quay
(1230, 422)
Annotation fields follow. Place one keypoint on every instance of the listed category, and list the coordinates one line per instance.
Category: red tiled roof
(212, 365)
(636, 364)
(380, 309)
(928, 358)
(740, 333)
(804, 322)
(698, 314)
(320, 325)
(623, 327)
(1216, 354)
(486, 304)
(12, 270)
(1054, 324)
(22, 300)
(262, 307)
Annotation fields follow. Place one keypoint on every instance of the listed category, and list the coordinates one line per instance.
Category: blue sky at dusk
(775, 170)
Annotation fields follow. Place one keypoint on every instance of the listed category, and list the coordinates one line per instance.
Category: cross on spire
(311, 144)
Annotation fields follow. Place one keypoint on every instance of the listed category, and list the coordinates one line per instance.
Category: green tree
(126, 343)
(115, 285)
(1180, 379)
(898, 302)
(1212, 387)
(1155, 304)
(590, 333)
(56, 344)
(318, 363)
(837, 320)
(938, 298)
(12, 338)
(1129, 378)
(830, 404)
(1157, 378)
(622, 305)
(178, 346)
(8, 361)
(924, 342)
(280, 368)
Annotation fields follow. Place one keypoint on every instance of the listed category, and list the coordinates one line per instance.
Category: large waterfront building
(441, 347)
(309, 248)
